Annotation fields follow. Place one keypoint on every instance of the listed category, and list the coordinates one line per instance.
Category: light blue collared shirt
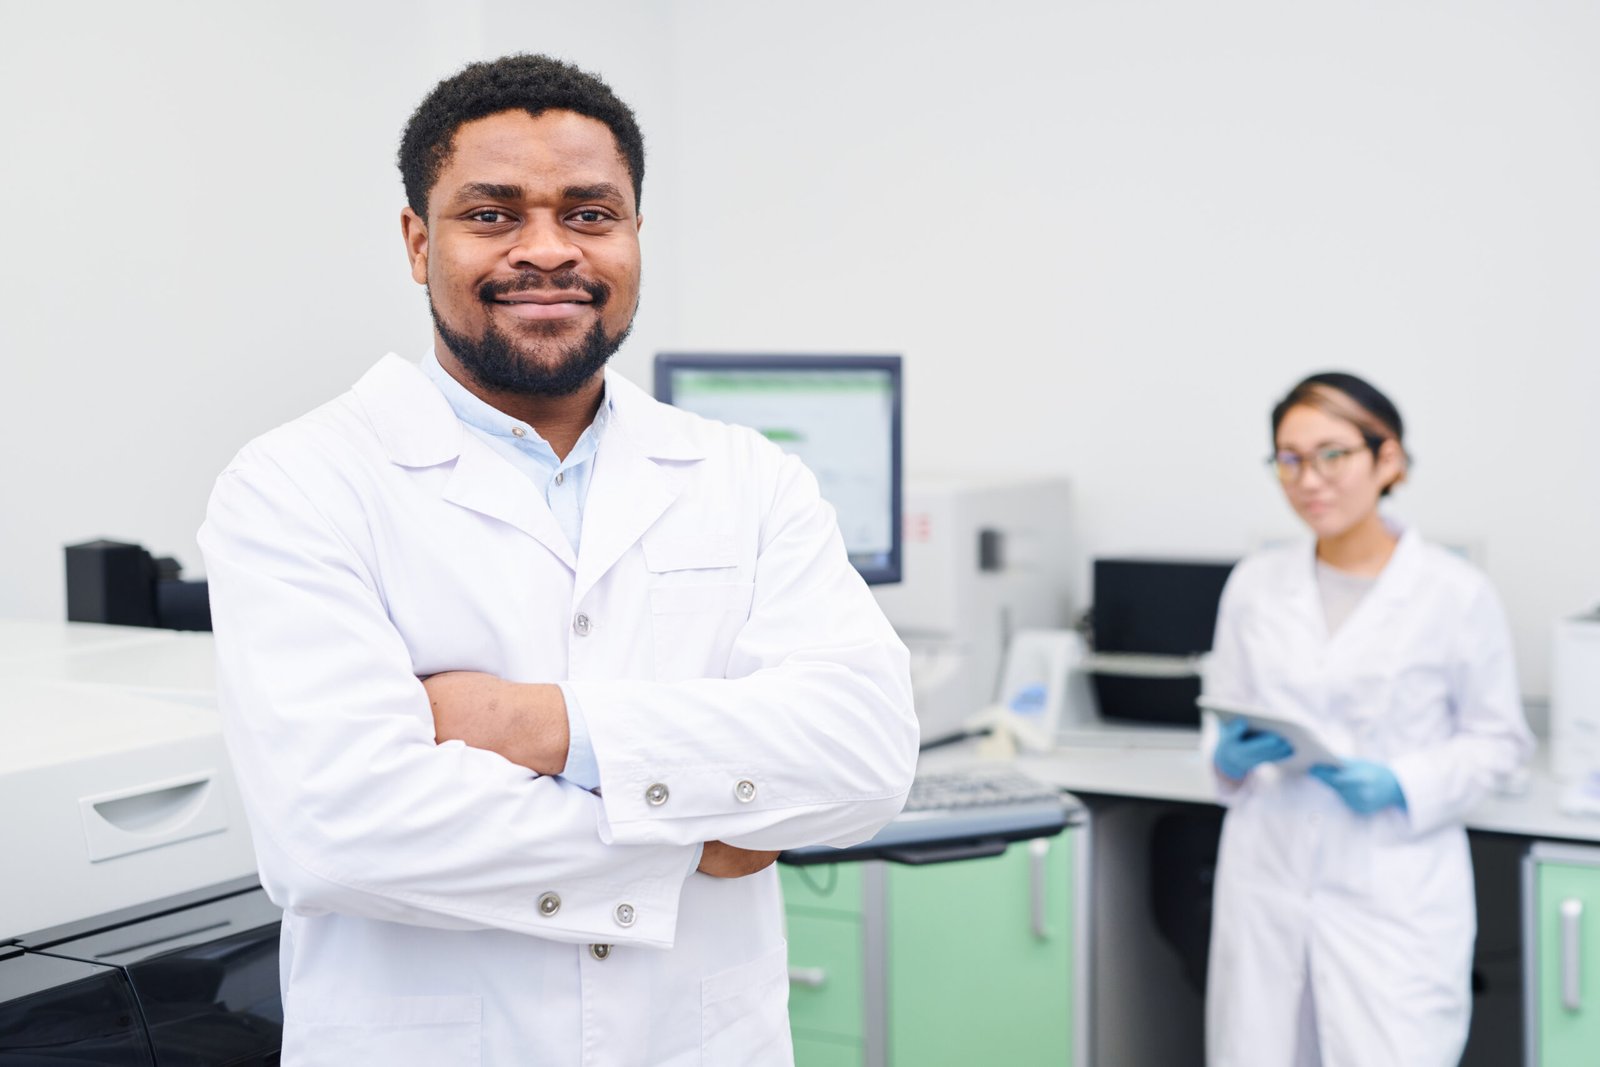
(564, 486)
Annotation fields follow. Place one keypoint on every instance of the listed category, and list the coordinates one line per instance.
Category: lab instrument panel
(132, 929)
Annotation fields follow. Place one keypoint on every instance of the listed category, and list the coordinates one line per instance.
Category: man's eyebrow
(597, 191)
(488, 191)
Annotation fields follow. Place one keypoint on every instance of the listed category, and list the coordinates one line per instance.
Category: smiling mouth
(544, 304)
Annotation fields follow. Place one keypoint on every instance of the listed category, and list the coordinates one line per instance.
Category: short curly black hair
(530, 83)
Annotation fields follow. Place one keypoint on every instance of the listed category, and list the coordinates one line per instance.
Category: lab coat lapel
(484, 482)
(1305, 600)
(638, 473)
(1394, 584)
(417, 428)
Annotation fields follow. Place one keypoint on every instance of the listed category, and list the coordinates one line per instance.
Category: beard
(533, 366)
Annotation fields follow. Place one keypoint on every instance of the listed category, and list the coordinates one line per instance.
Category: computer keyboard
(966, 789)
(961, 814)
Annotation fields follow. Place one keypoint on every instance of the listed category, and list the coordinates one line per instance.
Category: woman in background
(1344, 916)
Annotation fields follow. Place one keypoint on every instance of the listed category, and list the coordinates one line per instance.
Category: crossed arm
(527, 724)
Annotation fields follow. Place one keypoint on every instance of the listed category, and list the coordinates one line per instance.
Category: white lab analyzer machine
(133, 930)
(115, 800)
(114, 776)
(982, 561)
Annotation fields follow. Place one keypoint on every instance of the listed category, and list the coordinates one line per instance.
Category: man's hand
(525, 723)
(725, 861)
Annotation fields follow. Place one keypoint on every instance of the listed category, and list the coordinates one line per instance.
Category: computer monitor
(839, 414)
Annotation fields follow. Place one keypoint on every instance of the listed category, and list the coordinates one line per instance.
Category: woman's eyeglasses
(1328, 462)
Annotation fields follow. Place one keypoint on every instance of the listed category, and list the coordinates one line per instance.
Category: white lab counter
(1167, 772)
(157, 664)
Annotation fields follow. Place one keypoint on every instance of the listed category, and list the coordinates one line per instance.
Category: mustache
(532, 281)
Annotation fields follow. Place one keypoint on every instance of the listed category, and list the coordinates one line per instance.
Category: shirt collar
(481, 415)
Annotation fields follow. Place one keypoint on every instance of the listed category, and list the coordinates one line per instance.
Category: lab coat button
(599, 952)
(656, 795)
(624, 914)
(581, 624)
(518, 431)
(549, 904)
(745, 791)
(561, 477)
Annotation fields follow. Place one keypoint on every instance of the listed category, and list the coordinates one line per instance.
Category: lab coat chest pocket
(348, 1031)
(744, 1013)
(698, 601)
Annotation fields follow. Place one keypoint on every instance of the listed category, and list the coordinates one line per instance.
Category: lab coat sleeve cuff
(582, 768)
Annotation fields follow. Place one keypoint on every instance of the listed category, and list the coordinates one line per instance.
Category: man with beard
(526, 677)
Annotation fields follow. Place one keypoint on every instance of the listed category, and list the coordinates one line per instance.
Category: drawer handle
(810, 977)
(1572, 954)
(151, 815)
(1038, 886)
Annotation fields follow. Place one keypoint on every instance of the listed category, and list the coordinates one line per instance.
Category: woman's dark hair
(1353, 399)
(534, 84)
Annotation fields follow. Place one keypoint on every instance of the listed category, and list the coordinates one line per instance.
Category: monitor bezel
(667, 363)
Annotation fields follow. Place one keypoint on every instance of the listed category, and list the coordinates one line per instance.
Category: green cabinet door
(1568, 968)
(981, 957)
(823, 912)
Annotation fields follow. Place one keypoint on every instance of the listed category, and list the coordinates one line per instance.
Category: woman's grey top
(1341, 592)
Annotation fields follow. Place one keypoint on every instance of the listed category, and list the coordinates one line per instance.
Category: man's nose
(544, 245)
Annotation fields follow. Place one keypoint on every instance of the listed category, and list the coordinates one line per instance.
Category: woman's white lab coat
(445, 907)
(1376, 912)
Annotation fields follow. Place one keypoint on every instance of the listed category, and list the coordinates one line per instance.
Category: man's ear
(415, 232)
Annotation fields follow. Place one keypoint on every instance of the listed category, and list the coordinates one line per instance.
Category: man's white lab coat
(444, 906)
(1374, 911)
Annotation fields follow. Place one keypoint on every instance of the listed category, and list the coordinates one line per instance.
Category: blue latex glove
(1241, 749)
(1364, 786)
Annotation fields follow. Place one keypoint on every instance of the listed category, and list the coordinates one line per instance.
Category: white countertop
(1165, 771)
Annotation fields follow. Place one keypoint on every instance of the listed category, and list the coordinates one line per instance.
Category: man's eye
(589, 216)
(490, 216)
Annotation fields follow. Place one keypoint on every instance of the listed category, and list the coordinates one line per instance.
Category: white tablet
(1311, 745)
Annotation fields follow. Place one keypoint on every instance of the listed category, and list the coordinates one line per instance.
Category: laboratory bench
(904, 965)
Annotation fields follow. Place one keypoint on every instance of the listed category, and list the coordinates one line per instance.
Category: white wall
(1106, 235)
(202, 241)
(202, 237)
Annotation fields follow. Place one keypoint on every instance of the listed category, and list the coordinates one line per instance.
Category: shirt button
(560, 477)
(745, 791)
(581, 624)
(549, 904)
(599, 952)
(518, 431)
(624, 914)
(656, 795)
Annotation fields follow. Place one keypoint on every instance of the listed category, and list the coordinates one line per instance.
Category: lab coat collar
(417, 428)
(1390, 591)
(411, 418)
(638, 470)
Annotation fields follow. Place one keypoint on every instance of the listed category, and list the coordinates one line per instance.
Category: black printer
(190, 981)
